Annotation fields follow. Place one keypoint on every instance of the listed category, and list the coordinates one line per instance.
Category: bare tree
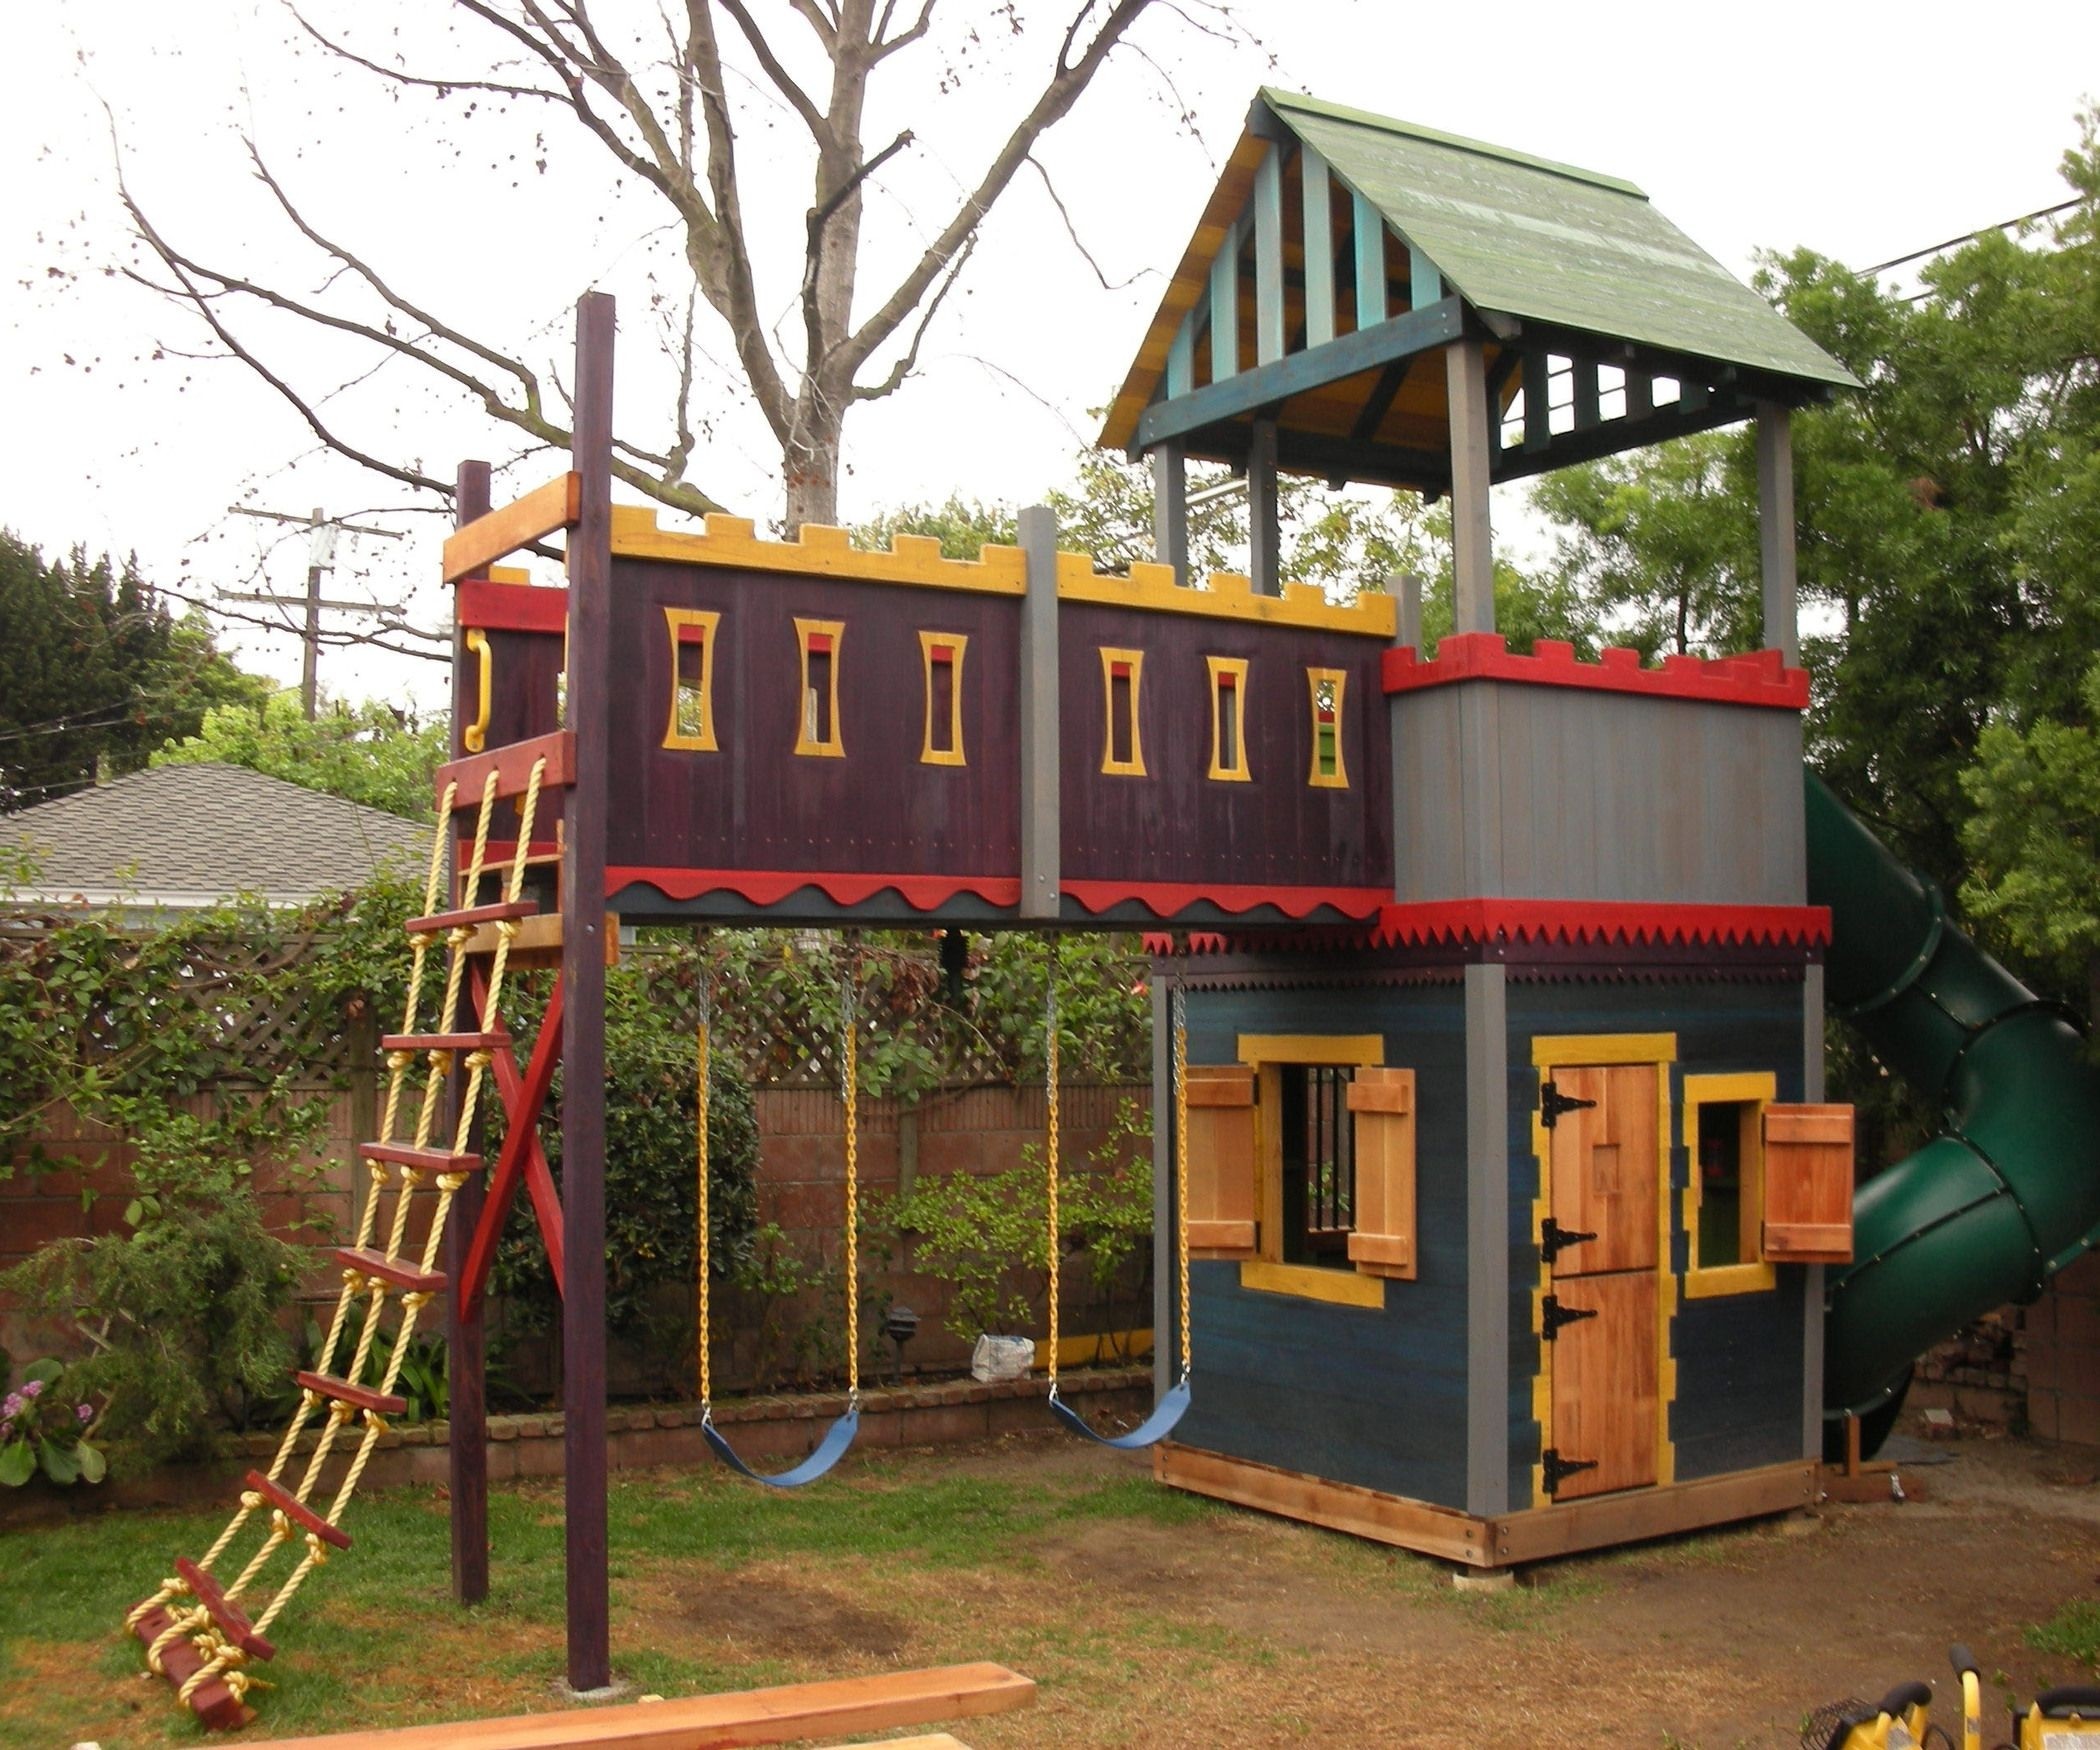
(664, 118)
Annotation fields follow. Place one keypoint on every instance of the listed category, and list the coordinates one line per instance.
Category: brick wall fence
(800, 1189)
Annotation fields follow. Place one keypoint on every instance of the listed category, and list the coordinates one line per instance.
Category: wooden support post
(1472, 547)
(1407, 592)
(1487, 1240)
(1037, 527)
(1268, 257)
(1264, 537)
(1170, 508)
(467, 1452)
(1316, 201)
(1775, 528)
(583, 1024)
(1166, 1309)
(1812, 1076)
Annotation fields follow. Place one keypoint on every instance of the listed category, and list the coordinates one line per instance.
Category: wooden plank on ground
(1541, 1533)
(752, 1716)
(524, 520)
(1415, 1525)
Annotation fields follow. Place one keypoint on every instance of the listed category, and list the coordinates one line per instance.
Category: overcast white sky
(1861, 130)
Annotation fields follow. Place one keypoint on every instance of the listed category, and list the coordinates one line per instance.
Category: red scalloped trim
(770, 887)
(1581, 921)
(1759, 678)
(1560, 922)
(1166, 899)
(512, 607)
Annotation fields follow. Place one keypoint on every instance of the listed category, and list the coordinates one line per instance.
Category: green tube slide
(2009, 1192)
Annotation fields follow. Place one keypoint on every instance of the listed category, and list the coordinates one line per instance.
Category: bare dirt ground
(1153, 1620)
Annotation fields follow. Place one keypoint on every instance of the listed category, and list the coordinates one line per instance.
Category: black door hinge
(1559, 1470)
(1552, 1103)
(1555, 1239)
(1557, 1315)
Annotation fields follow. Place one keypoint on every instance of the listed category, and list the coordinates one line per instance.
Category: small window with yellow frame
(1724, 1198)
(692, 720)
(1228, 719)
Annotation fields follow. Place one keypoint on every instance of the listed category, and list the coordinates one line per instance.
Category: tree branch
(1066, 83)
(904, 367)
(395, 75)
(812, 118)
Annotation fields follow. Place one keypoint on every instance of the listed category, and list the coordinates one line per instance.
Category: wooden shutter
(1808, 1184)
(1221, 1160)
(1383, 1240)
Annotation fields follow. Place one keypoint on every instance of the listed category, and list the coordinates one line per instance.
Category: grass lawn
(1147, 1618)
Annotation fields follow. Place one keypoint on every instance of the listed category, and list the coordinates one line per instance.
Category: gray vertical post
(310, 663)
(1166, 1332)
(1039, 715)
(583, 982)
(1487, 1240)
(1775, 528)
(1407, 592)
(467, 1449)
(1264, 535)
(1812, 1289)
(1472, 545)
(1170, 507)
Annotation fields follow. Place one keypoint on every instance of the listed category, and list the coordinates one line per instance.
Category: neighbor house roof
(186, 836)
(1546, 262)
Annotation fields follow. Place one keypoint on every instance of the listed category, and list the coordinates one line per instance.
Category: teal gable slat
(1224, 309)
(1319, 247)
(1268, 258)
(1369, 225)
(1181, 358)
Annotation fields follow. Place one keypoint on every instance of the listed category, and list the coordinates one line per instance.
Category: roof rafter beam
(1266, 385)
(1612, 436)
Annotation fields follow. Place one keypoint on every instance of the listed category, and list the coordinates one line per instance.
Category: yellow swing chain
(703, 1062)
(850, 1052)
(1179, 1017)
(1052, 1150)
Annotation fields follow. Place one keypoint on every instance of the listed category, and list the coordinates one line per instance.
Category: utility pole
(320, 557)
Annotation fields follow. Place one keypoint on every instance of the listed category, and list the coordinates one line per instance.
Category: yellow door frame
(1550, 1051)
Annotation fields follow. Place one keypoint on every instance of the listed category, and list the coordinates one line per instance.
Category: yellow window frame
(1234, 688)
(1338, 678)
(1134, 660)
(1583, 1051)
(708, 621)
(1753, 1091)
(1267, 1053)
(957, 644)
(833, 746)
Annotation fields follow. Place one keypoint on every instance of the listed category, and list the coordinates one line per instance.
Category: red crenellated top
(1759, 678)
(1567, 923)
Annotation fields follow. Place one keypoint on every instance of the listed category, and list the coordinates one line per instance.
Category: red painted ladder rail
(196, 1629)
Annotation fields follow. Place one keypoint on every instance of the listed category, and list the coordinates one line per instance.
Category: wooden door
(1605, 1255)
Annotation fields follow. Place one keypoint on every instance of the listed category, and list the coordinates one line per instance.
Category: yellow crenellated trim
(959, 644)
(508, 574)
(1311, 1282)
(1752, 1275)
(1134, 660)
(1361, 1050)
(832, 746)
(820, 552)
(1227, 595)
(1236, 667)
(1315, 678)
(1582, 1050)
(703, 739)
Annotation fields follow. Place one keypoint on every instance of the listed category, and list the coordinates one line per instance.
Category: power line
(320, 557)
(1969, 237)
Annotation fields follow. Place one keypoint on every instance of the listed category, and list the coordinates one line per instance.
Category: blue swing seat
(829, 1451)
(1155, 1427)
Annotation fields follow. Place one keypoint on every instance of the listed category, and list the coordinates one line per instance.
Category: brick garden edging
(769, 1430)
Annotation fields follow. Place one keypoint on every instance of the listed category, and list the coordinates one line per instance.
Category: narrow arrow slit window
(941, 655)
(692, 720)
(1122, 748)
(818, 725)
(1228, 719)
(1328, 687)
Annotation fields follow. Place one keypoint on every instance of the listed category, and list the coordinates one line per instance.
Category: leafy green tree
(95, 672)
(368, 753)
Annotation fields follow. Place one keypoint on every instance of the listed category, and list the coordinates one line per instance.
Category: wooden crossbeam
(540, 512)
(512, 763)
(523, 1158)
(752, 1716)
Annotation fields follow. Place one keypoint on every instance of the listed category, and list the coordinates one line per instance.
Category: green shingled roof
(1547, 243)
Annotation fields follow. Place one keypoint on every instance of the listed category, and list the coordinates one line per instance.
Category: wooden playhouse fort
(1495, 1186)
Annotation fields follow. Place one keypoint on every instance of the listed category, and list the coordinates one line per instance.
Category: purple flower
(33, 1389)
(14, 1406)
(85, 1414)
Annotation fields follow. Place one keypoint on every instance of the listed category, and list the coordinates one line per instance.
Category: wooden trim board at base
(1506, 1540)
(750, 1716)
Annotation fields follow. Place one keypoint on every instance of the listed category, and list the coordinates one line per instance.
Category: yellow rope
(1051, 1145)
(702, 1045)
(852, 1085)
(1181, 1168)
